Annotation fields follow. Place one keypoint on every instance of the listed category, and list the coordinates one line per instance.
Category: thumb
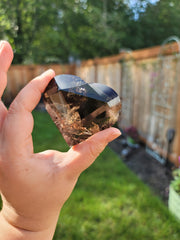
(85, 153)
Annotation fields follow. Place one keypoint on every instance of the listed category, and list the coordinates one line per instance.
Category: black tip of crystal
(67, 81)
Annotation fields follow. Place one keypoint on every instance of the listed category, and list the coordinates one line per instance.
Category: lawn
(109, 201)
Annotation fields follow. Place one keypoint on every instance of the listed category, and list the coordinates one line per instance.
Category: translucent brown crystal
(80, 109)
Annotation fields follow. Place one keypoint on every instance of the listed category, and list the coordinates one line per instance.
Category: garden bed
(148, 169)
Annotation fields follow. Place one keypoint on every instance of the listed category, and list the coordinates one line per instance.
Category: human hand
(33, 186)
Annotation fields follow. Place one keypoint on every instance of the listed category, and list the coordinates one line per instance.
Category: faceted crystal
(80, 109)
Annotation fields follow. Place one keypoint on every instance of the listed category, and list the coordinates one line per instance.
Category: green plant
(176, 181)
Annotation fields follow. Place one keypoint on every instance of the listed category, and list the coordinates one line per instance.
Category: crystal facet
(80, 109)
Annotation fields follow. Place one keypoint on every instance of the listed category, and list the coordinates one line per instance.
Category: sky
(133, 3)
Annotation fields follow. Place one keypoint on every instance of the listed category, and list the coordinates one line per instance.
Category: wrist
(12, 230)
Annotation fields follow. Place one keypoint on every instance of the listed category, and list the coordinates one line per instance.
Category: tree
(43, 31)
(20, 20)
(158, 22)
(85, 29)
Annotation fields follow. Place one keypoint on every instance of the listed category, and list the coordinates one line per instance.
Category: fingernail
(48, 72)
(116, 131)
(113, 133)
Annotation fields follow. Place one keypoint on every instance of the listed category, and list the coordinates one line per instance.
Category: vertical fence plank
(176, 146)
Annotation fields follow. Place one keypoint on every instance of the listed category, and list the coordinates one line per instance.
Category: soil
(156, 175)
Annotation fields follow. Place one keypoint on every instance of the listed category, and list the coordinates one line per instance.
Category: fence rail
(148, 82)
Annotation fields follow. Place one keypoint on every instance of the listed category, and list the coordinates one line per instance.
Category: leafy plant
(176, 182)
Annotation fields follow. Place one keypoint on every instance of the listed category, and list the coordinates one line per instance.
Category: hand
(34, 187)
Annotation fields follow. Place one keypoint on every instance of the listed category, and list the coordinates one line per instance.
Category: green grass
(109, 202)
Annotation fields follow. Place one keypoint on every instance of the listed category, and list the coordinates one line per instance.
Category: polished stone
(80, 109)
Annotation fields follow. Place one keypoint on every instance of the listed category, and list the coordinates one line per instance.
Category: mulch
(156, 175)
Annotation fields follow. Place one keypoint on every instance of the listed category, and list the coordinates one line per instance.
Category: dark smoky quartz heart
(80, 109)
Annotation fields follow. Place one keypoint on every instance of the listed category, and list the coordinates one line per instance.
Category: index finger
(81, 156)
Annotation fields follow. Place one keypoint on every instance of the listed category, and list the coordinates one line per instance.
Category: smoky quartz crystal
(80, 109)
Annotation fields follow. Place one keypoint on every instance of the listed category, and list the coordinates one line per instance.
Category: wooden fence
(20, 75)
(148, 82)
